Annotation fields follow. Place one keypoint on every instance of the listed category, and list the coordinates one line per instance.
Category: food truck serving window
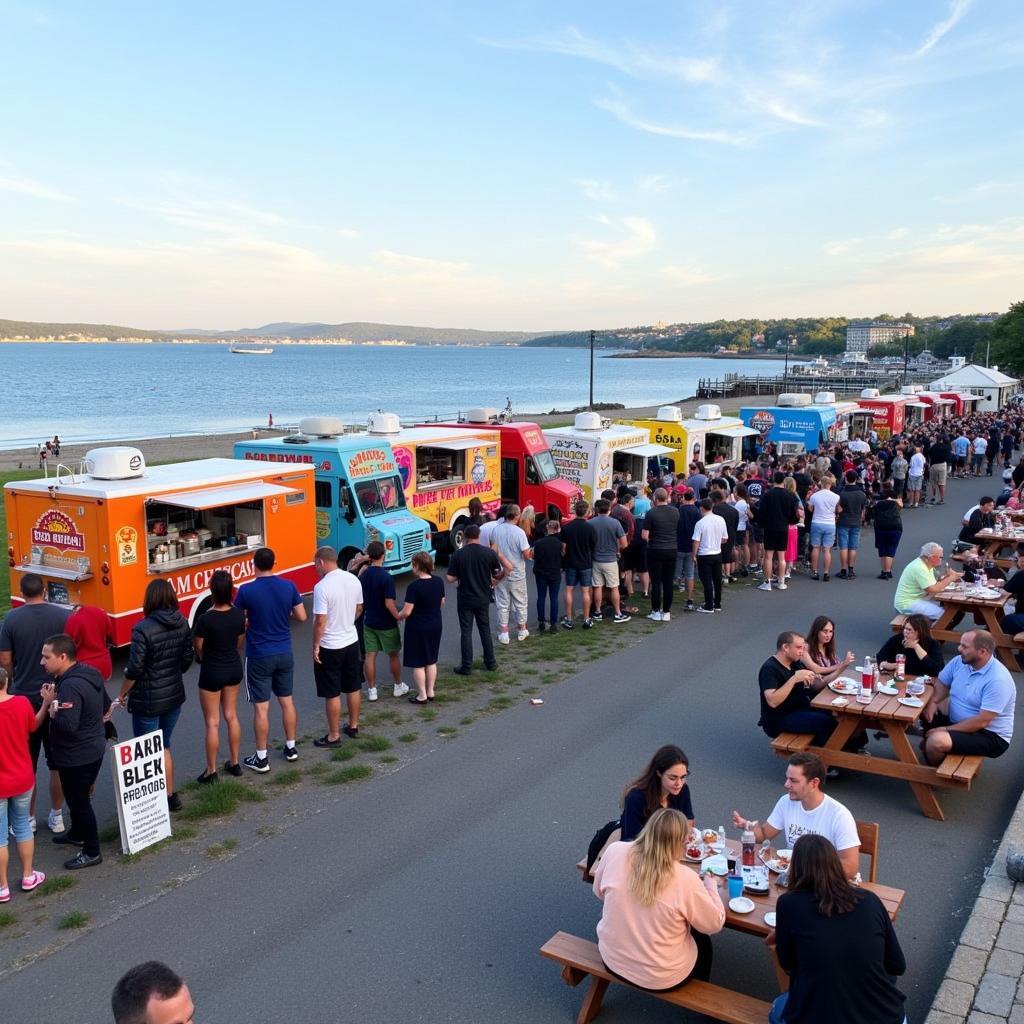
(437, 465)
(382, 495)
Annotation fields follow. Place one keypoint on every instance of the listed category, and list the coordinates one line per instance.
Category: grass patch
(219, 800)
(59, 883)
(373, 743)
(447, 731)
(499, 704)
(468, 720)
(447, 697)
(343, 776)
(266, 831)
(221, 849)
(388, 759)
(110, 832)
(317, 769)
(408, 737)
(388, 715)
(532, 689)
(7, 918)
(75, 919)
(345, 753)
(289, 777)
(428, 714)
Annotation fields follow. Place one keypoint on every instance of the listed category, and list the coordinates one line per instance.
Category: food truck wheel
(457, 534)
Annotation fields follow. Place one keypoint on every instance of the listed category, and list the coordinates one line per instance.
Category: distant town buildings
(862, 335)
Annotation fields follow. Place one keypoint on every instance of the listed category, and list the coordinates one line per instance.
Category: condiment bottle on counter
(721, 836)
(747, 842)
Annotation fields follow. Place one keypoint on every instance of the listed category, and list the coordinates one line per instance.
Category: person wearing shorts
(981, 694)
(337, 669)
(380, 622)
(578, 539)
(610, 540)
(823, 504)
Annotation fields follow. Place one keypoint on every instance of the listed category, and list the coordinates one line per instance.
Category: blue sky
(524, 166)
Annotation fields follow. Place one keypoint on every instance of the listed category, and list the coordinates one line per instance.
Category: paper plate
(911, 702)
(769, 919)
(741, 905)
(844, 685)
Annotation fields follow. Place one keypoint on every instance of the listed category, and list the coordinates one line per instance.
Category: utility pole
(785, 371)
(906, 358)
(592, 369)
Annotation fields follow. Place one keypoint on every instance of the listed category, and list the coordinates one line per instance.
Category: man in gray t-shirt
(610, 540)
(509, 541)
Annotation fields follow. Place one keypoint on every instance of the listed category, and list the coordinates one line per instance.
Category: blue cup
(735, 886)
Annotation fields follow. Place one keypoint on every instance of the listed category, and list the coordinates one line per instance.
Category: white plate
(741, 905)
(693, 860)
(911, 702)
(986, 593)
(717, 865)
(769, 919)
(889, 691)
(844, 685)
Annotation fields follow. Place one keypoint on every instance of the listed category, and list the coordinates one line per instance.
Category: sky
(518, 166)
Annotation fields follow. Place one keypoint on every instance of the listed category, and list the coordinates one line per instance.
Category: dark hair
(649, 782)
(134, 990)
(422, 561)
(263, 559)
(706, 504)
(987, 500)
(816, 868)
(741, 490)
(31, 585)
(602, 506)
(921, 625)
(374, 550)
(472, 532)
(851, 476)
(810, 764)
(888, 491)
(829, 650)
(608, 494)
(159, 597)
(783, 639)
(476, 507)
(221, 587)
(580, 508)
(61, 643)
(778, 476)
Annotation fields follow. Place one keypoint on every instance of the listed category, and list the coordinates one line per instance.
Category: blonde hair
(655, 853)
(789, 484)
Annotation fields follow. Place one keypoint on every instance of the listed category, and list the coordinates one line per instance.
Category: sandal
(35, 879)
(5, 894)
(416, 700)
(631, 610)
(324, 741)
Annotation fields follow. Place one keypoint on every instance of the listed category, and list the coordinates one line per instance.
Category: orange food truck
(100, 535)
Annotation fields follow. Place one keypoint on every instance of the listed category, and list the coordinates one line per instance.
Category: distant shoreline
(656, 353)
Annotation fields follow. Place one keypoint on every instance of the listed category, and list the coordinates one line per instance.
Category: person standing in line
(510, 543)
(18, 720)
(610, 539)
(709, 535)
(22, 634)
(269, 603)
(660, 531)
(980, 446)
(475, 568)
(93, 632)
(76, 706)
(578, 540)
(939, 454)
(823, 503)
(852, 504)
(742, 546)
(380, 621)
(153, 690)
(899, 468)
(720, 501)
(686, 561)
(547, 575)
(888, 529)
(337, 603)
(915, 478)
(421, 612)
(151, 993)
(218, 639)
(776, 511)
(961, 446)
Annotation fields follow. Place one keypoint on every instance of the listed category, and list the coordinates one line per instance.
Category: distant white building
(994, 387)
(861, 336)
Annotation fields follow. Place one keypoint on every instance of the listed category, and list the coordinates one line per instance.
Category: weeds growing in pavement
(373, 743)
(218, 800)
(447, 731)
(75, 919)
(408, 737)
(388, 759)
(428, 714)
(343, 776)
(319, 768)
(221, 849)
(7, 918)
(59, 883)
(289, 777)
(345, 753)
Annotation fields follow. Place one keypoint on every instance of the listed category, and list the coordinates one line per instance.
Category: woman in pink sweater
(657, 913)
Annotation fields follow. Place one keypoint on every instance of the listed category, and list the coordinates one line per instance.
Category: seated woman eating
(922, 651)
(657, 913)
(821, 656)
(662, 784)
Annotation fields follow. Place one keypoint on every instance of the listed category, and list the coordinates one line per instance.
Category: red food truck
(890, 411)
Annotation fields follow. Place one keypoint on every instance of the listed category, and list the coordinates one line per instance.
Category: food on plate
(710, 835)
(784, 855)
(695, 851)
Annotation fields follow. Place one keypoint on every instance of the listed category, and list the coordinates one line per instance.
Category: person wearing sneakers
(380, 621)
(269, 603)
(22, 633)
(823, 504)
(852, 505)
(660, 532)
(610, 540)
(474, 567)
(18, 721)
(510, 543)
(578, 540)
(915, 478)
(337, 603)
(709, 536)
(776, 512)
(686, 561)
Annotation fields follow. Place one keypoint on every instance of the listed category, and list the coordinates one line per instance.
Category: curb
(983, 983)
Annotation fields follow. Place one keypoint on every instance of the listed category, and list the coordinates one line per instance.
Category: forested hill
(32, 329)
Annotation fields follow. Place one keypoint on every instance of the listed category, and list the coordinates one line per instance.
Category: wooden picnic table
(991, 545)
(959, 599)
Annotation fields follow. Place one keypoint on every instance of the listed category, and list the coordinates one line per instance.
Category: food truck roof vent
(794, 399)
(384, 423)
(482, 414)
(825, 398)
(910, 389)
(708, 412)
(117, 463)
(870, 393)
(670, 414)
(321, 426)
(588, 421)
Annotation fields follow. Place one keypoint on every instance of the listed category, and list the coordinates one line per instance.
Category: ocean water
(92, 392)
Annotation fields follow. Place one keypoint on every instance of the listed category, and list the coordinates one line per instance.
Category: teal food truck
(358, 489)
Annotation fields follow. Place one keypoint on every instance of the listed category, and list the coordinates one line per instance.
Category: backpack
(606, 834)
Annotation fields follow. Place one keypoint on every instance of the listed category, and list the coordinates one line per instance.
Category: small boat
(238, 350)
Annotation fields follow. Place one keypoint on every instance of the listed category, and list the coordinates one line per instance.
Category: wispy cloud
(405, 263)
(685, 276)
(596, 191)
(34, 189)
(957, 9)
(976, 191)
(638, 239)
(841, 246)
(655, 184)
(620, 109)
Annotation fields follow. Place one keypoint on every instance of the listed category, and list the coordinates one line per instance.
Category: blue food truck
(794, 424)
(359, 495)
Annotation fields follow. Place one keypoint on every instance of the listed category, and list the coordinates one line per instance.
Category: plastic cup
(735, 886)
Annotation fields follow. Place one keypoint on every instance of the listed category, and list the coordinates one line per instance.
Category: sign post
(140, 789)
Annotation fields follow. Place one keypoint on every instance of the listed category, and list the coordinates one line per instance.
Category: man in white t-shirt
(710, 532)
(979, 446)
(806, 809)
(508, 539)
(915, 479)
(337, 666)
(823, 504)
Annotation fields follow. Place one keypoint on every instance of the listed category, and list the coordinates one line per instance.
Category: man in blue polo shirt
(981, 693)
(269, 603)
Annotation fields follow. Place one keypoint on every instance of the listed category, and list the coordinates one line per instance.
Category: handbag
(605, 835)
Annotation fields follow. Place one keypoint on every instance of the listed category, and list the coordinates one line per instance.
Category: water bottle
(747, 843)
(876, 680)
(983, 578)
(721, 837)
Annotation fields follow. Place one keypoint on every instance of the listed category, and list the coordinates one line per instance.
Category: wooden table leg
(592, 1000)
(1004, 648)
(848, 725)
(897, 733)
(780, 975)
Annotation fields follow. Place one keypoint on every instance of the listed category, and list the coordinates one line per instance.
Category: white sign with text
(140, 788)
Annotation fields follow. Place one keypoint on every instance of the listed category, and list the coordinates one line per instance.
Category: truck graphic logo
(762, 421)
(58, 529)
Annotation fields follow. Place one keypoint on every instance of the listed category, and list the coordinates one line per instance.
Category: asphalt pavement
(425, 894)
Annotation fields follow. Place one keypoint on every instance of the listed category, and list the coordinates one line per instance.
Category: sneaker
(83, 860)
(66, 839)
(826, 577)
(35, 879)
(5, 894)
(553, 628)
(666, 616)
(655, 616)
(832, 773)
(233, 769)
(207, 778)
(882, 576)
(689, 606)
(174, 802)
(371, 693)
(782, 586)
(541, 626)
(352, 734)
(744, 571)
(621, 617)
(401, 690)
(565, 622)
(851, 575)
(459, 670)
(815, 576)
(503, 639)
(55, 822)
(706, 611)
(842, 574)
(766, 586)
(522, 634)
(326, 741)
(588, 623)
(257, 763)
(291, 753)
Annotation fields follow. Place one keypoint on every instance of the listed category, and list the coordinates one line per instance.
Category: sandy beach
(208, 446)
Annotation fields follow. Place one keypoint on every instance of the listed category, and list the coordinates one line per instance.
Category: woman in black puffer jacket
(153, 689)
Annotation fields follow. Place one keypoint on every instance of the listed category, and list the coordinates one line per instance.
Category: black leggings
(662, 567)
(77, 783)
(709, 568)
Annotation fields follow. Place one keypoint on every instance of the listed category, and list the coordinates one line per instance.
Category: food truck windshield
(384, 494)
(540, 467)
